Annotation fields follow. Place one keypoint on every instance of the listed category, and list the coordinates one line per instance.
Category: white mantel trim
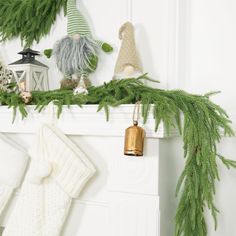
(79, 121)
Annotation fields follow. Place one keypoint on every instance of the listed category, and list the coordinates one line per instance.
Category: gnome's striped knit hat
(77, 24)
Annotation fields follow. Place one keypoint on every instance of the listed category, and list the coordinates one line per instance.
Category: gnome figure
(128, 63)
(77, 53)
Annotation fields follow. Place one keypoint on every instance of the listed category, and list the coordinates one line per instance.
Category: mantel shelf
(79, 121)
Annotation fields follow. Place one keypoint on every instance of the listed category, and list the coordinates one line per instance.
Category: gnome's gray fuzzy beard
(73, 55)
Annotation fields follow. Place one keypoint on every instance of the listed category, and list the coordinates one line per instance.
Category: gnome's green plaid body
(77, 53)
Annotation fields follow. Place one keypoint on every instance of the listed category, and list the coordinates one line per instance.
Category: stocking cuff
(71, 169)
(72, 176)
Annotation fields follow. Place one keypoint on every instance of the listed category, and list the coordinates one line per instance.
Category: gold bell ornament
(134, 136)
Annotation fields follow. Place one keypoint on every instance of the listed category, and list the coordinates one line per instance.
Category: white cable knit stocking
(13, 164)
(58, 172)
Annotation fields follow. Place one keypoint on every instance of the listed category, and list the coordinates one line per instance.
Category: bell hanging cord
(136, 113)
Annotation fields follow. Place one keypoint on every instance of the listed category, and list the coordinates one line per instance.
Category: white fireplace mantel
(79, 121)
(123, 197)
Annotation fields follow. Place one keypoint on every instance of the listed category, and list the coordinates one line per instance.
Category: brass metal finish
(134, 140)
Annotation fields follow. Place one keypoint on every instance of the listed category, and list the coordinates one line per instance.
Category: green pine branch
(201, 129)
(29, 20)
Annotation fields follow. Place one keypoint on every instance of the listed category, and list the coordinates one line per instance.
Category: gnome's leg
(57, 174)
(67, 82)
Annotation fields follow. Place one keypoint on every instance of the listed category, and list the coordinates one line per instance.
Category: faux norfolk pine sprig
(201, 129)
(28, 20)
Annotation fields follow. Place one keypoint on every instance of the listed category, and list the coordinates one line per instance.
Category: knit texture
(58, 172)
(76, 21)
(13, 164)
(128, 55)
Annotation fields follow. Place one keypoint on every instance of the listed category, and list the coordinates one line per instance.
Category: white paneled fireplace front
(122, 199)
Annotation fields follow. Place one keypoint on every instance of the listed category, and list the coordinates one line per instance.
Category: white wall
(187, 44)
(210, 49)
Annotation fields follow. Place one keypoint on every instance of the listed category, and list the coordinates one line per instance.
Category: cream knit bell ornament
(128, 63)
(58, 172)
(13, 164)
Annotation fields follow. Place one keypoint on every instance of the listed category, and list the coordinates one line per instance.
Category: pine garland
(29, 20)
(203, 123)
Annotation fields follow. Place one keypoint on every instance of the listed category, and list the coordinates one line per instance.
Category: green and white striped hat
(76, 21)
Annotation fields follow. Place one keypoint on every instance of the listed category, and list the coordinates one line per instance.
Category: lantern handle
(136, 113)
